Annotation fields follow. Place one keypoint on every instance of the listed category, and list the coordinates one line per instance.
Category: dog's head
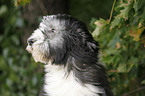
(60, 37)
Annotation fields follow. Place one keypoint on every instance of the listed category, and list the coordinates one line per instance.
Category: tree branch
(134, 91)
(112, 11)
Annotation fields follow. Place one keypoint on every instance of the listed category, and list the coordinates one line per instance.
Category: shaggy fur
(70, 55)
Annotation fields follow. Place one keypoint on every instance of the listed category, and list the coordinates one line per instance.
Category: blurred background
(122, 53)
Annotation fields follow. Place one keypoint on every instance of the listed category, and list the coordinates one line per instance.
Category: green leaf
(139, 6)
(19, 22)
(3, 9)
(107, 59)
(114, 40)
(116, 22)
(5, 52)
(100, 24)
(111, 51)
(143, 82)
(15, 39)
(1, 38)
(9, 82)
(3, 64)
(122, 68)
(124, 9)
(10, 61)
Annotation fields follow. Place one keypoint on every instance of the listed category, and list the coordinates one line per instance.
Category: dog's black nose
(31, 41)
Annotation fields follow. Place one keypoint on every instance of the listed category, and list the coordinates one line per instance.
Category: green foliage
(122, 43)
(19, 76)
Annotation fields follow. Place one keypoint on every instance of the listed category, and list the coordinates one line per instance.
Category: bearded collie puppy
(70, 55)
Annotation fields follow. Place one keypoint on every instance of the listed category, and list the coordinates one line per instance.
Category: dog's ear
(58, 50)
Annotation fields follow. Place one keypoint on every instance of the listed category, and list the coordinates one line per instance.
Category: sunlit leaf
(136, 32)
(22, 2)
(143, 82)
(100, 24)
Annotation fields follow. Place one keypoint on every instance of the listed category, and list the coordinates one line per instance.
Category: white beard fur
(59, 83)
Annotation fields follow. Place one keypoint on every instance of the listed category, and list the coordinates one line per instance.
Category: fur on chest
(59, 83)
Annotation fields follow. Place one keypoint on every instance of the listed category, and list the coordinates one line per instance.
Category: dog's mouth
(37, 55)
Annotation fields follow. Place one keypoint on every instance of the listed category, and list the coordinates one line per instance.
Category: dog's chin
(40, 58)
(37, 55)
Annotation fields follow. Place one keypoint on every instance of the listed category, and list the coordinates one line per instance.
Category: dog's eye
(53, 30)
(31, 41)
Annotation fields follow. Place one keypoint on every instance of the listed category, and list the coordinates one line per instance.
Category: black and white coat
(70, 55)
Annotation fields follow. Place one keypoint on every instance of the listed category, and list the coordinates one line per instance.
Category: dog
(70, 56)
